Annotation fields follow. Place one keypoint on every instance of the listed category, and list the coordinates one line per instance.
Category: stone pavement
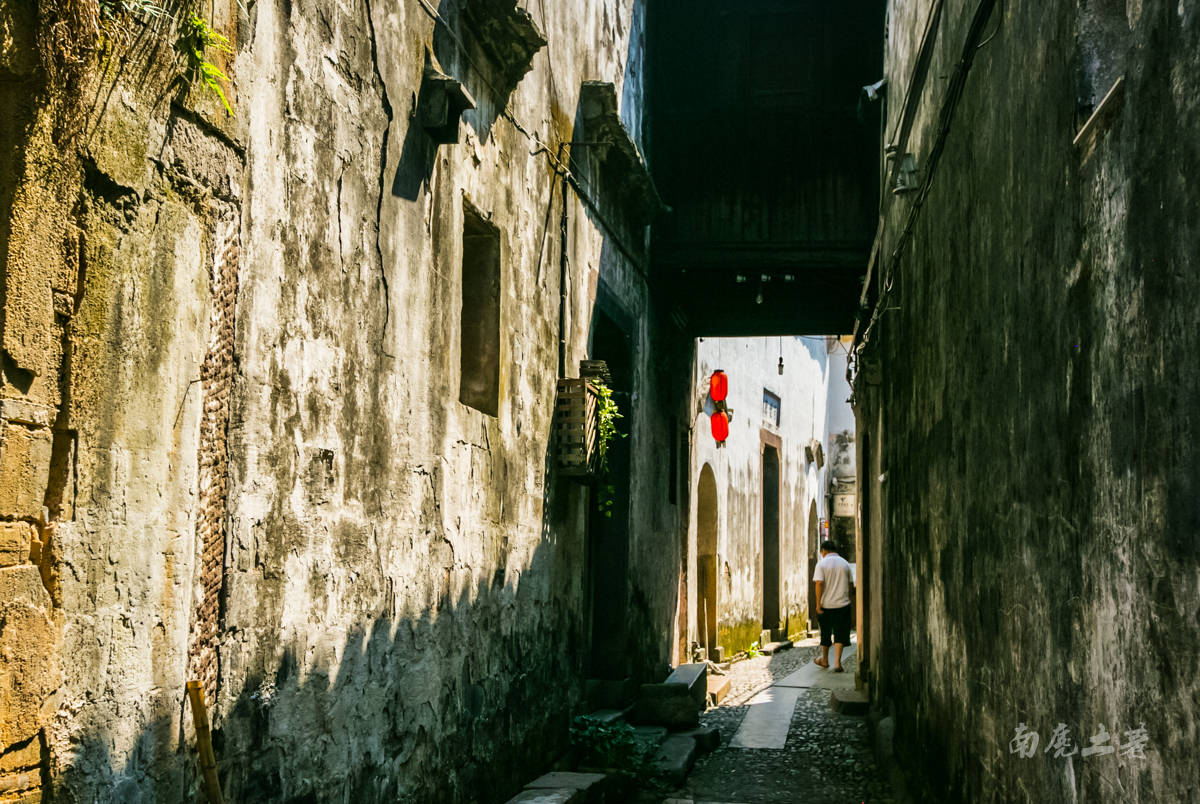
(826, 757)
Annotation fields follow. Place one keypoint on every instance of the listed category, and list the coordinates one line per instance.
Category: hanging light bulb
(781, 365)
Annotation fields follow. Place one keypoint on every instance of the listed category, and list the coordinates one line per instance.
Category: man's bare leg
(837, 656)
(824, 660)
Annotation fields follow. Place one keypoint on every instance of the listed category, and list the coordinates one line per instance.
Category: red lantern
(718, 386)
(720, 426)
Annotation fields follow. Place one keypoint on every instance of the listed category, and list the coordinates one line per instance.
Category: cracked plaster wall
(1035, 411)
(399, 612)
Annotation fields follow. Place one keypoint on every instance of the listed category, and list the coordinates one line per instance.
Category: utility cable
(541, 148)
(945, 122)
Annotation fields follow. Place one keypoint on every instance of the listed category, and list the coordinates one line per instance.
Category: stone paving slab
(827, 758)
(768, 719)
(812, 675)
(564, 796)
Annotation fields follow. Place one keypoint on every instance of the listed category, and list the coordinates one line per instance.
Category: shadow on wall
(483, 47)
(463, 703)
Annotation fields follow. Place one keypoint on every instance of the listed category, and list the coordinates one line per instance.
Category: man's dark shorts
(835, 626)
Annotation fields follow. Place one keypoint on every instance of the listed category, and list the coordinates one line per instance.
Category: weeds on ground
(612, 746)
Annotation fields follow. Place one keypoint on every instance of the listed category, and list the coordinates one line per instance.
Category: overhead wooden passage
(758, 147)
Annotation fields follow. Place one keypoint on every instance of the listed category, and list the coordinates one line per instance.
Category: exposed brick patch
(215, 375)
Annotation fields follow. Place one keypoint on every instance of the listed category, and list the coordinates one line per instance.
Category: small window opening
(770, 408)
(479, 384)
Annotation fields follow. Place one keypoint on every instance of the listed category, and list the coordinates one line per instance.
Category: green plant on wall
(608, 414)
(196, 40)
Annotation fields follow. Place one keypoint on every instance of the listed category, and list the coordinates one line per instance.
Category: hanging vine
(197, 39)
(608, 414)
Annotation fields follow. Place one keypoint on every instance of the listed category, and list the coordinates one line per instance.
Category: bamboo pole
(208, 762)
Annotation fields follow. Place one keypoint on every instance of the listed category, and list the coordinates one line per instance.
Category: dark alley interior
(596, 401)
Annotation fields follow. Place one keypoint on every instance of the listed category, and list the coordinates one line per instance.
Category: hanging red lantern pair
(718, 391)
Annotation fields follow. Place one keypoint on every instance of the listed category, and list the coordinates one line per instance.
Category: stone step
(718, 688)
(707, 738)
(649, 738)
(670, 705)
(677, 702)
(587, 788)
(609, 716)
(849, 702)
(693, 676)
(675, 758)
(560, 796)
(774, 647)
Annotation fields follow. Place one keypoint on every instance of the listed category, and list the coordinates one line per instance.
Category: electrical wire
(556, 163)
(945, 122)
(999, 25)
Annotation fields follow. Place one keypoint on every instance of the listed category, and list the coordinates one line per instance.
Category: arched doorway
(706, 560)
(770, 540)
(813, 554)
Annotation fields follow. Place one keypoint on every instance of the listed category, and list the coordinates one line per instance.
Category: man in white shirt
(834, 587)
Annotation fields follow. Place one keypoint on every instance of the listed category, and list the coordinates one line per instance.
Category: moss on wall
(735, 638)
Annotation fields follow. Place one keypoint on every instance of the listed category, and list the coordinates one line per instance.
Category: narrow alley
(811, 752)
(486, 401)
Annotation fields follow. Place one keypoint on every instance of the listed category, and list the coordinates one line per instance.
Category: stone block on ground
(563, 795)
(670, 705)
(675, 758)
(608, 716)
(707, 738)
(850, 702)
(718, 688)
(649, 737)
(885, 734)
(772, 648)
(593, 787)
(694, 676)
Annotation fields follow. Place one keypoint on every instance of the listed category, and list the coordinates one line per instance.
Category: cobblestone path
(827, 758)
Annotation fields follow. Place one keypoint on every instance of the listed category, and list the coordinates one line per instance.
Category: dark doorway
(706, 560)
(608, 530)
(770, 539)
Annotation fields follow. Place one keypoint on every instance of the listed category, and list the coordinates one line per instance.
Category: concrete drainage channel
(663, 720)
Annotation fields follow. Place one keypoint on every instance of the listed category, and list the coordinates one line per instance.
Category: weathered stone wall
(1028, 394)
(752, 367)
(841, 450)
(233, 439)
